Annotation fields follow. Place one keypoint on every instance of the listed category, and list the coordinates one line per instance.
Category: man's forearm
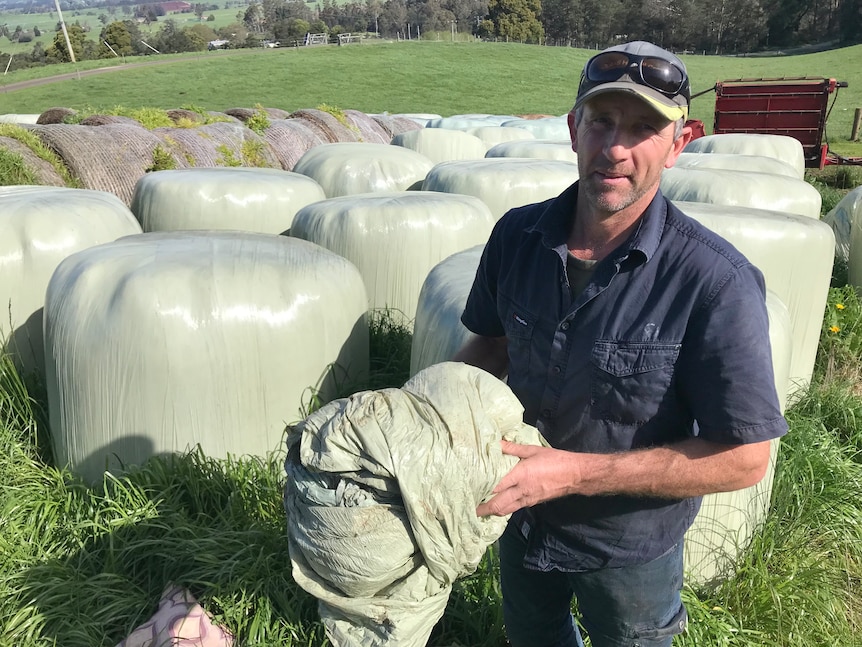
(487, 353)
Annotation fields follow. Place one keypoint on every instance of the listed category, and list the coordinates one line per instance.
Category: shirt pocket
(630, 379)
(519, 325)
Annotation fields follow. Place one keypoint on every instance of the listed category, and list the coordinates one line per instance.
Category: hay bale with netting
(369, 130)
(394, 125)
(178, 115)
(109, 158)
(221, 116)
(55, 116)
(290, 139)
(104, 120)
(243, 114)
(328, 126)
(41, 170)
(219, 144)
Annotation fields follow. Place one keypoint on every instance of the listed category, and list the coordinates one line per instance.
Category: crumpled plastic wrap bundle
(381, 495)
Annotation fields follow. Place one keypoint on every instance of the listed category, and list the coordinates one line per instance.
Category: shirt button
(556, 370)
(564, 325)
(546, 413)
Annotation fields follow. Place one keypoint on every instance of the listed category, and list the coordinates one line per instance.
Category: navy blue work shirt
(668, 340)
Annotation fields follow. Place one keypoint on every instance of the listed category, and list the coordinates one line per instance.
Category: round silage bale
(219, 144)
(736, 162)
(104, 120)
(247, 199)
(493, 135)
(727, 521)
(108, 158)
(503, 182)
(465, 122)
(742, 189)
(12, 118)
(419, 118)
(535, 149)
(369, 130)
(844, 219)
(795, 254)
(43, 171)
(179, 115)
(330, 128)
(352, 168)
(39, 227)
(437, 330)
(394, 239)
(781, 147)
(551, 128)
(158, 342)
(289, 140)
(442, 144)
(55, 115)
(397, 124)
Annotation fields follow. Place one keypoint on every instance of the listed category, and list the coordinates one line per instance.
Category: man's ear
(573, 130)
(678, 146)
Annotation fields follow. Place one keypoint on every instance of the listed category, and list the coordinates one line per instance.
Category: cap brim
(657, 101)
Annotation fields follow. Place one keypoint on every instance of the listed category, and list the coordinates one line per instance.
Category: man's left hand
(543, 473)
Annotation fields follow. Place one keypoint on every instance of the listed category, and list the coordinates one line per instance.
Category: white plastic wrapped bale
(442, 144)
(544, 128)
(437, 330)
(780, 147)
(381, 497)
(735, 162)
(727, 520)
(39, 227)
(742, 189)
(536, 149)
(18, 119)
(503, 182)
(349, 168)
(395, 239)
(492, 135)
(421, 118)
(844, 219)
(240, 198)
(158, 342)
(464, 122)
(795, 254)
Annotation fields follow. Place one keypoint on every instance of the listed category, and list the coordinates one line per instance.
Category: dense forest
(703, 26)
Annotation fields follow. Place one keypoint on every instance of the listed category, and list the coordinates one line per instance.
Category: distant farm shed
(218, 44)
(176, 6)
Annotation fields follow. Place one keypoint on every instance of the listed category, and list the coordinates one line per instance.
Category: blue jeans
(633, 606)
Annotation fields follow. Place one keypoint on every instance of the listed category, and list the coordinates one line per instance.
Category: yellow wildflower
(834, 329)
(839, 306)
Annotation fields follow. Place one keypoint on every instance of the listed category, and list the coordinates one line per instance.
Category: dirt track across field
(21, 85)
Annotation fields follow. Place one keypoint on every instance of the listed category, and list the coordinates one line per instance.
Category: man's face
(623, 146)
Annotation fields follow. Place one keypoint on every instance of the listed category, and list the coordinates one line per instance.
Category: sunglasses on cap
(651, 71)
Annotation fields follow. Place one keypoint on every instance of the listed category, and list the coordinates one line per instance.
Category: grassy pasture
(437, 77)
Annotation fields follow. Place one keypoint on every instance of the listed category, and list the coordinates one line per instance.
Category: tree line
(702, 26)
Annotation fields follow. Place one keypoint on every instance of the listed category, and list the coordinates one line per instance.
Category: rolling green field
(427, 77)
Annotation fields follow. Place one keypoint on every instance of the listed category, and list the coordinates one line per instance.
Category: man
(637, 341)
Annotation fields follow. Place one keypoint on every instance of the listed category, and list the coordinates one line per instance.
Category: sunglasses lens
(607, 67)
(661, 75)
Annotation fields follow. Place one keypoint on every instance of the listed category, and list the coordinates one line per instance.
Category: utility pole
(65, 33)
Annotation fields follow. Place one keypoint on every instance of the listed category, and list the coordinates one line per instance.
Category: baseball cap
(643, 69)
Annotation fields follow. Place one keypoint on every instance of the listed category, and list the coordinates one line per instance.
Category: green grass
(437, 77)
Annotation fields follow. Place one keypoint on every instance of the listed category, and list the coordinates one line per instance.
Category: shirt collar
(555, 222)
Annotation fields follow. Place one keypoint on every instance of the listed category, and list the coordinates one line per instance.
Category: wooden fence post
(857, 119)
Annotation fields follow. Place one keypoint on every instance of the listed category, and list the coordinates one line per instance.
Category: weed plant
(82, 565)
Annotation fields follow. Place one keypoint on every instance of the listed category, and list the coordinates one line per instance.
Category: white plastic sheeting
(492, 135)
(743, 189)
(464, 122)
(349, 168)
(735, 162)
(39, 227)
(844, 219)
(536, 149)
(795, 254)
(726, 520)
(395, 239)
(442, 144)
(157, 342)
(241, 198)
(503, 182)
(437, 330)
(381, 497)
(19, 118)
(781, 147)
(544, 128)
